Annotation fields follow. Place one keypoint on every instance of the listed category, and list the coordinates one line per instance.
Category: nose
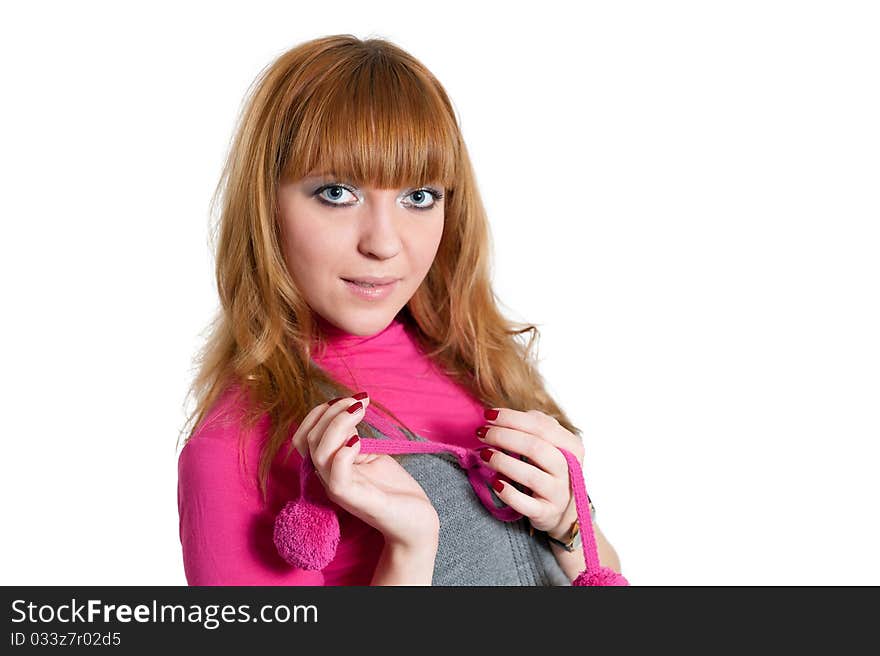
(379, 232)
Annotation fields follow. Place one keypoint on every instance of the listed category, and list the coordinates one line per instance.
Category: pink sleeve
(225, 531)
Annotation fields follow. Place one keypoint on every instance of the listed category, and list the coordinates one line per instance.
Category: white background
(683, 196)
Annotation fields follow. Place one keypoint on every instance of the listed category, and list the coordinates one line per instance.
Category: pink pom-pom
(605, 576)
(306, 534)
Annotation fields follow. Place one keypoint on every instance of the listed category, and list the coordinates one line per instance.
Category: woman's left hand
(536, 436)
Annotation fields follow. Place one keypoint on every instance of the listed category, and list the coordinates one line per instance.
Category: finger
(540, 452)
(337, 430)
(299, 437)
(337, 405)
(537, 423)
(529, 421)
(546, 486)
(520, 502)
(340, 473)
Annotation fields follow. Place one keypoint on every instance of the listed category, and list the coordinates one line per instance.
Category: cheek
(310, 252)
(310, 259)
(428, 245)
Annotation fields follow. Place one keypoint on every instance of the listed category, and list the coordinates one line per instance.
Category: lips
(371, 281)
(370, 292)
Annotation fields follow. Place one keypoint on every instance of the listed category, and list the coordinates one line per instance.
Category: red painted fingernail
(486, 454)
(352, 440)
(360, 395)
(481, 432)
(332, 401)
(497, 484)
(354, 407)
(490, 414)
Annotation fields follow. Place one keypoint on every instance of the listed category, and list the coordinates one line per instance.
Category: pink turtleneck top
(226, 529)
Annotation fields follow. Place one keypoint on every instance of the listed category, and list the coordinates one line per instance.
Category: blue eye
(336, 191)
(426, 193)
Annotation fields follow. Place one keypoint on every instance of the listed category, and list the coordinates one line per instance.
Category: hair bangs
(376, 124)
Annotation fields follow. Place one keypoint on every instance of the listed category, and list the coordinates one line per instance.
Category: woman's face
(333, 231)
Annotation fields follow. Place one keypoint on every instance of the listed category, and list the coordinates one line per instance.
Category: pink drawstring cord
(307, 529)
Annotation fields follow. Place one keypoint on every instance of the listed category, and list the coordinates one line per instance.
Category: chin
(364, 326)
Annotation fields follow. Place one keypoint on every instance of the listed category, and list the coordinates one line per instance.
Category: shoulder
(221, 446)
(224, 420)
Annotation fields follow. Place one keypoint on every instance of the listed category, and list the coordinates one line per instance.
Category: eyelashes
(436, 194)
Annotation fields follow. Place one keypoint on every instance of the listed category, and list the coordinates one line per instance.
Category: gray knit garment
(475, 548)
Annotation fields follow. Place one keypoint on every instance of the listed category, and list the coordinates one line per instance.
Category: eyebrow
(334, 176)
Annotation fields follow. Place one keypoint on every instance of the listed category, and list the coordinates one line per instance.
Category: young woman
(352, 270)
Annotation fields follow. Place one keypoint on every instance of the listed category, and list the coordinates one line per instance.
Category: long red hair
(367, 111)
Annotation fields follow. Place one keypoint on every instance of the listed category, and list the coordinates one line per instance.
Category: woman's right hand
(373, 487)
